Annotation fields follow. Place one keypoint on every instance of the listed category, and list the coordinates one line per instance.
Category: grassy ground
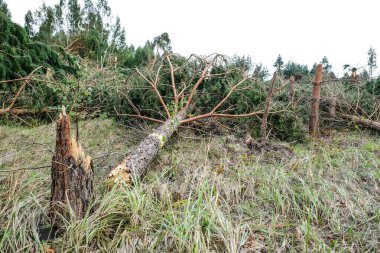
(203, 194)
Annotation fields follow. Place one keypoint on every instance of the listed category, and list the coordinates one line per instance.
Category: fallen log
(135, 164)
(72, 177)
(23, 111)
(361, 121)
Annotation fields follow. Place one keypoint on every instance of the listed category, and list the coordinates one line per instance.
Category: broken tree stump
(72, 176)
(316, 95)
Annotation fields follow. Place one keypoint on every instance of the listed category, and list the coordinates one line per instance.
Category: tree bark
(361, 121)
(264, 122)
(136, 163)
(314, 113)
(23, 111)
(71, 175)
(332, 107)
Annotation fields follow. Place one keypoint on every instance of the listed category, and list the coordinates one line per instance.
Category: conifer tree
(74, 16)
(29, 23)
(279, 64)
(4, 8)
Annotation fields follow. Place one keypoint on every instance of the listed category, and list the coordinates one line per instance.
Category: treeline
(88, 66)
(90, 31)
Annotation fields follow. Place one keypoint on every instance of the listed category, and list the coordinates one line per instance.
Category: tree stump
(72, 176)
(314, 113)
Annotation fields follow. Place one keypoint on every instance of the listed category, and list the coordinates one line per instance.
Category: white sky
(300, 30)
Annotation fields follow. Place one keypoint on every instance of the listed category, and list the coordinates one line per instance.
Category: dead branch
(200, 80)
(20, 111)
(139, 117)
(173, 85)
(154, 87)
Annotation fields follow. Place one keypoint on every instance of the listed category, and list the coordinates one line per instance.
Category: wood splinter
(72, 176)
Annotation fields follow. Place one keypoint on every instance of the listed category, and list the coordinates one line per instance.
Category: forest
(108, 147)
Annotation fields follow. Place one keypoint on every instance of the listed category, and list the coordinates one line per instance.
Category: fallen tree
(330, 105)
(361, 121)
(136, 163)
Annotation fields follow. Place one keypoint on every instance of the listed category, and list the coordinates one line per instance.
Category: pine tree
(4, 8)
(279, 64)
(19, 55)
(47, 21)
(29, 23)
(326, 66)
(74, 16)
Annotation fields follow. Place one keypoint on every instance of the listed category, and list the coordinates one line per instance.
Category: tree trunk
(332, 107)
(264, 122)
(23, 111)
(314, 113)
(361, 121)
(136, 163)
(291, 90)
(71, 174)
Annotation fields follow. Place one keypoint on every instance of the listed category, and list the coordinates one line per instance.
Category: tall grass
(205, 195)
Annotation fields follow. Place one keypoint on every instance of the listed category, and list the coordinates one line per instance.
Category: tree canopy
(19, 55)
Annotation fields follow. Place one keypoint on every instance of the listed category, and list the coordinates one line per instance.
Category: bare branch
(154, 87)
(26, 81)
(228, 95)
(203, 76)
(173, 85)
(139, 117)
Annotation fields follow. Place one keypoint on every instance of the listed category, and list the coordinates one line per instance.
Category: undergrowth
(202, 194)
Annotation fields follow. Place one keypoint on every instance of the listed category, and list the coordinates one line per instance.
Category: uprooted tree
(182, 98)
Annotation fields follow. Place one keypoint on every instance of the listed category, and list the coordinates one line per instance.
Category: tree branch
(173, 85)
(227, 96)
(154, 87)
(26, 81)
(139, 117)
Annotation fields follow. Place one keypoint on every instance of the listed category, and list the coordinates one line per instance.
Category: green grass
(202, 194)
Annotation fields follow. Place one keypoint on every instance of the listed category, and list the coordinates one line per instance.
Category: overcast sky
(300, 30)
